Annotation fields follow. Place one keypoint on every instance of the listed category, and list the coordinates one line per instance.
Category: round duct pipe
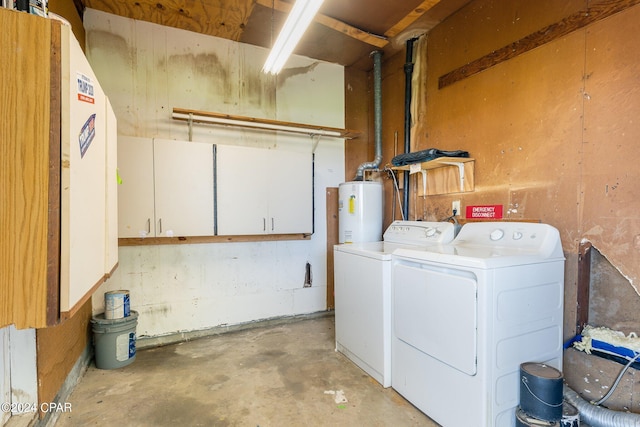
(377, 116)
(597, 416)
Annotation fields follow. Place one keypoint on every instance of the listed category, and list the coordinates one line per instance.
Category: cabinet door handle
(160, 224)
(271, 223)
(264, 224)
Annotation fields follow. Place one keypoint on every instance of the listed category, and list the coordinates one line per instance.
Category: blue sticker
(132, 344)
(87, 134)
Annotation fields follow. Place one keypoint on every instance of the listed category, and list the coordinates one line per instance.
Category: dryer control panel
(520, 236)
(419, 232)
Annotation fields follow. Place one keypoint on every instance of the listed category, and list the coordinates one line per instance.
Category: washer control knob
(496, 234)
(430, 232)
(517, 235)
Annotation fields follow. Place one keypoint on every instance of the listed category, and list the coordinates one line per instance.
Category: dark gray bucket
(114, 340)
(541, 391)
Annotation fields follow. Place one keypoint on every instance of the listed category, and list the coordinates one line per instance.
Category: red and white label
(85, 89)
(484, 211)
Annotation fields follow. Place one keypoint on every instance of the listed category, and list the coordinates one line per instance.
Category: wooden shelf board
(444, 175)
(138, 241)
(436, 163)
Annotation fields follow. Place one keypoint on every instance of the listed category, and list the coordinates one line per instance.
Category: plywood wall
(27, 212)
(67, 10)
(358, 99)
(553, 131)
(58, 350)
(609, 211)
(359, 112)
(521, 120)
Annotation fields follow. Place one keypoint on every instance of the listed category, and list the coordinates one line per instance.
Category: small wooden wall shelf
(443, 175)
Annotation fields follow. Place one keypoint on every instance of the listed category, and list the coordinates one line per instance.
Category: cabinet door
(135, 194)
(183, 174)
(83, 202)
(290, 192)
(111, 256)
(242, 190)
(263, 191)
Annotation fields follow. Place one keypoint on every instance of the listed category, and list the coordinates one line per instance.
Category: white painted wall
(18, 366)
(146, 70)
(5, 370)
(24, 372)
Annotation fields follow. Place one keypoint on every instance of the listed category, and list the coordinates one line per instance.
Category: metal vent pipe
(598, 416)
(377, 117)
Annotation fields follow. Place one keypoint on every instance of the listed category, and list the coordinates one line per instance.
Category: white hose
(597, 416)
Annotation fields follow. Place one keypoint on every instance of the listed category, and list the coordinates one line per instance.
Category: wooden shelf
(140, 241)
(443, 175)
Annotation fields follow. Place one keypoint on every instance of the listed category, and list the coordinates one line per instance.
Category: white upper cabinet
(88, 149)
(290, 192)
(136, 216)
(111, 251)
(183, 188)
(263, 191)
(167, 188)
(178, 189)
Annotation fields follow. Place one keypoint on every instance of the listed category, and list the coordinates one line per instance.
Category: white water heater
(360, 212)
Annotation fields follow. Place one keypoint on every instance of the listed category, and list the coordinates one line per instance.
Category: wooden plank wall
(58, 349)
(332, 239)
(24, 168)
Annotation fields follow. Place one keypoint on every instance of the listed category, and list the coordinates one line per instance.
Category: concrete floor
(278, 375)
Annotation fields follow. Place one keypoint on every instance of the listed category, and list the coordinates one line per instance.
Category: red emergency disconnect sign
(484, 211)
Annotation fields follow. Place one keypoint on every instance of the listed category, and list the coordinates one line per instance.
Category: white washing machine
(467, 314)
(362, 273)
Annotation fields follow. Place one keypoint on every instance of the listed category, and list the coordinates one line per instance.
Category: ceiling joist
(411, 18)
(334, 24)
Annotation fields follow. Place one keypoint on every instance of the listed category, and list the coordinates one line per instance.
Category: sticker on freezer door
(85, 89)
(86, 134)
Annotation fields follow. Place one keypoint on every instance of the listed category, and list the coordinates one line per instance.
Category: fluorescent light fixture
(294, 27)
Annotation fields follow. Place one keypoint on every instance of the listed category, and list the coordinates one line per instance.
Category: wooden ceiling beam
(334, 24)
(411, 18)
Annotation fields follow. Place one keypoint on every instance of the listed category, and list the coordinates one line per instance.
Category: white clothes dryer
(467, 314)
(362, 273)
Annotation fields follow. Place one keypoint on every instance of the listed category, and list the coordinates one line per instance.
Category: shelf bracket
(460, 166)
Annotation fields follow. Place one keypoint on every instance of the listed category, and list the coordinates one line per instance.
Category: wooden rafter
(334, 24)
(411, 18)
